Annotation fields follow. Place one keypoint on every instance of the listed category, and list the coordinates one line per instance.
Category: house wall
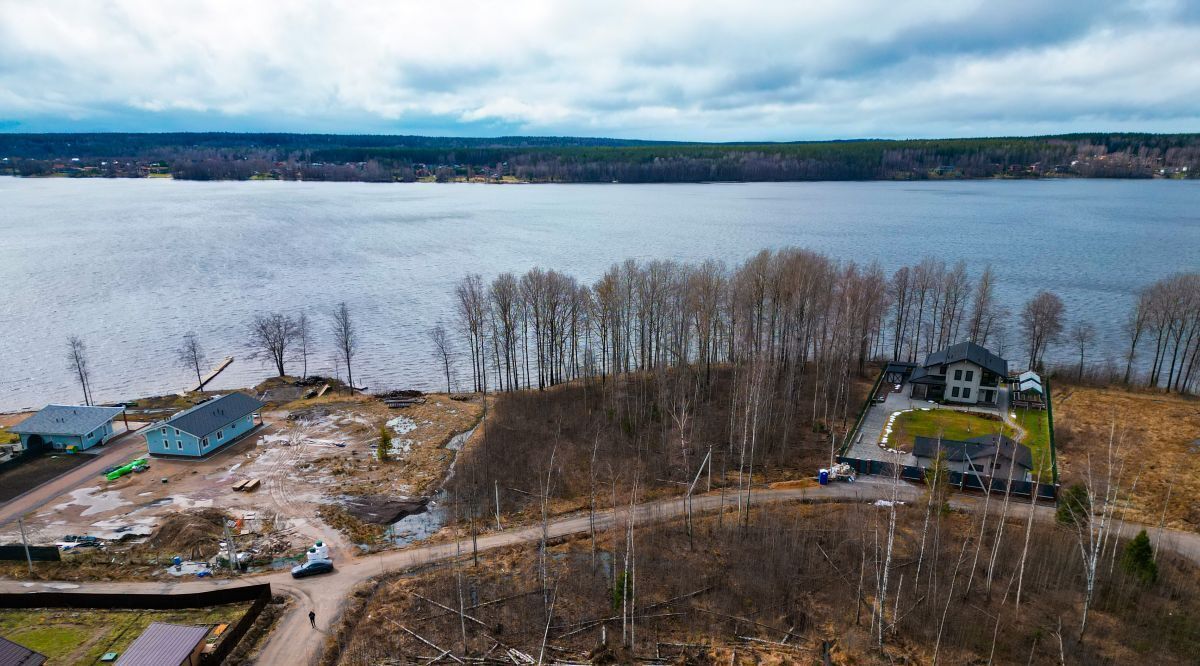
(56, 442)
(959, 388)
(98, 436)
(1001, 470)
(185, 444)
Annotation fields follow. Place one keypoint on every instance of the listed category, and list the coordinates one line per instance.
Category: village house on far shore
(206, 427)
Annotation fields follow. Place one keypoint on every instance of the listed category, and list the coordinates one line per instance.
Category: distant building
(15, 654)
(990, 455)
(163, 644)
(204, 428)
(60, 426)
(965, 373)
(1027, 391)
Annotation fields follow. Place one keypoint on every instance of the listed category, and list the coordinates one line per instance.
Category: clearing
(1159, 436)
(68, 636)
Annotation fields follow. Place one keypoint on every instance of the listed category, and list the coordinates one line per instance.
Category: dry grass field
(1158, 434)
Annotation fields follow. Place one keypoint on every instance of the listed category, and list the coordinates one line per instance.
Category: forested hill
(215, 156)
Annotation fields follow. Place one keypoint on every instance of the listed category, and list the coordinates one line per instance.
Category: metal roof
(66, 420)
(15, 654)
(985, 446)
(969, 351)
(163, 644)
(1030, 385)
(210, 416)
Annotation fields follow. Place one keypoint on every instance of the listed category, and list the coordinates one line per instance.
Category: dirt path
(294, 642)
(118, 450)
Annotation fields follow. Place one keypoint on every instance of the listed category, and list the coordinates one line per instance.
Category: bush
(1073, 505)
(1138, 559)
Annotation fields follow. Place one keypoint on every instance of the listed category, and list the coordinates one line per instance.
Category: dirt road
(119, 450)
(295, 642)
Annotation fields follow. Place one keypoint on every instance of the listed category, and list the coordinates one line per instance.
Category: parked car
(312, 568)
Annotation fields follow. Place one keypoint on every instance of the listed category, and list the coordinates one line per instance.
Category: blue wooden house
(206, 427)
(58, 427)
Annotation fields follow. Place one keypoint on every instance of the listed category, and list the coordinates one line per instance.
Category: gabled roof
(66, 420)
(15, 654)
(969, 351)
(1029, 374)
(1030, 385)
(986, 446)
(162, 644)
(210, 416)
(922, 376)
(899, 366)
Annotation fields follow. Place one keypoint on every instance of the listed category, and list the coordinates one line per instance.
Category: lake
(131, 265)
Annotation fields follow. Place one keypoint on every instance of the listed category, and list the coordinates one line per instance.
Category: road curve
(295, 642)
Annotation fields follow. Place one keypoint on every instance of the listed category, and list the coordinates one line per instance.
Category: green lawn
(947, 423)
(80, 637)
(1037, 438)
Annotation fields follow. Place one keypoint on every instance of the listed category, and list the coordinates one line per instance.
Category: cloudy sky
(657, 69)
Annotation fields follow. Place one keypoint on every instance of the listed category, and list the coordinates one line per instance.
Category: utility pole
(230, 551)
(25, 541)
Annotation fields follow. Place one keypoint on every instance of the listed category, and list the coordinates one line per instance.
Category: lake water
(130, 265)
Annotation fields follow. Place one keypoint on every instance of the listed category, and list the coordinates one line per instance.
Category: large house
(61, 427)
(204, 428)
(996, 456)
(965, 373)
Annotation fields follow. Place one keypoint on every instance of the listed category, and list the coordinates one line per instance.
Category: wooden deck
(214, 372)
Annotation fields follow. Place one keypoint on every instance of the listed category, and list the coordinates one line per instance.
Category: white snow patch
(93, 501)
(402, 425)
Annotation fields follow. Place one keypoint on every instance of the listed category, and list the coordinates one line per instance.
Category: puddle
(420, 526)
(94, 500)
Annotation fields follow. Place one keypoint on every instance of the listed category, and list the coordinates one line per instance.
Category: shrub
(1138, 559)
(385, 443)
(1073, 505)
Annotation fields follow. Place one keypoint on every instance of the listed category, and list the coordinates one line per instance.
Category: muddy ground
(310, 454)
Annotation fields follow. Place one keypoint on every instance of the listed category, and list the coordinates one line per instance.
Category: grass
(69, 637)
(1157, 436)
(7, 437)
(952, 424)
(948, 423)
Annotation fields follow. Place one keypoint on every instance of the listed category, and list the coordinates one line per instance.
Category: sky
(652, 69)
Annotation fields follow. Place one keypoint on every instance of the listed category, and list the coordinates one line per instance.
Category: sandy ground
(1158, 436)
(304, 456)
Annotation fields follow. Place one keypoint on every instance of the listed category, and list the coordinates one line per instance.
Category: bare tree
(191, 356)
(1082, 335)
(77, 361)
(1042, 323)
(303, 342)
(271, 336)
(442, 350)
(345, 338)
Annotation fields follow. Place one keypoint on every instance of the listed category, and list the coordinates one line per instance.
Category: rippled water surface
(130, 265)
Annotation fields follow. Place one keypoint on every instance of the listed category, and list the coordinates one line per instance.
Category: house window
(179, 443)
(966, 391)
(204, 442)
(958, 375)
(163, 430)
(976, 467)
(220, 435)
(954, 392)
(177, 432)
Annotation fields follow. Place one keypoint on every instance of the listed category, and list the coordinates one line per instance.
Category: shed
(59, 426)
(15, 654)
(163, 644)
(202, 429)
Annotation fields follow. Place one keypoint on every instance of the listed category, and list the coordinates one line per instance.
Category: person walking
(312, 618)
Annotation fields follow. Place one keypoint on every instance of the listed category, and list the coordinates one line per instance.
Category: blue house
(204, 428)
(60, 426)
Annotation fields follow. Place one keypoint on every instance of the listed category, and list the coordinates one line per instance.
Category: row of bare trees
(1166, 317)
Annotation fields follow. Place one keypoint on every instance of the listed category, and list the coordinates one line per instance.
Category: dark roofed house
(965, 373)
(163, 644)
(989, 455)
(15, 654)
(204, 428)
(61, 426)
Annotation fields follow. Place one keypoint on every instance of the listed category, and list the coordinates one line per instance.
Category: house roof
(66, 420)
(986, 446)
(921, 376)
(162, 644)
(15, 654)
(214, 414)
(969, 351)
(1030, 385)
(1029, 374)
(899, 366)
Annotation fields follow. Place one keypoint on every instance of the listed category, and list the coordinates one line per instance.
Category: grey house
(990, 455)
(965, 373)
(60, 426)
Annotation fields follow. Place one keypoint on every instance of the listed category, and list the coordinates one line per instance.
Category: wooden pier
(214, 372)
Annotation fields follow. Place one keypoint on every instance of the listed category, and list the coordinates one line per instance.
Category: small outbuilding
(206, 427)
(15, 654)
(59, 427)
(163, 644)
